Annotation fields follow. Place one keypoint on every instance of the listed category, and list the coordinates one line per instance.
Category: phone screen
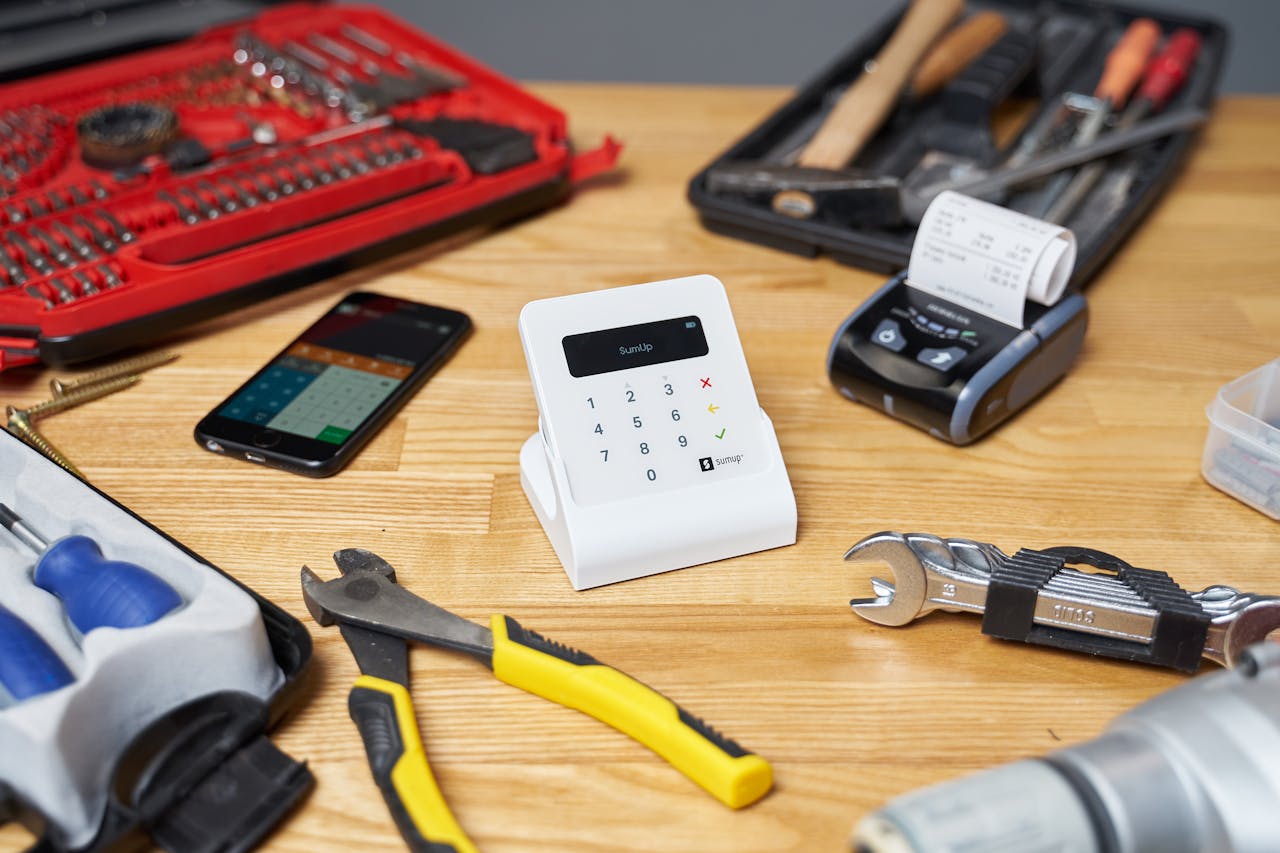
(335, 379)
(317, 392)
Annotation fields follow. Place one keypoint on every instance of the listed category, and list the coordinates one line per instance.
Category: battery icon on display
(690, 324)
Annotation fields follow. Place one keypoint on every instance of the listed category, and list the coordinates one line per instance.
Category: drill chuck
(1196, 768)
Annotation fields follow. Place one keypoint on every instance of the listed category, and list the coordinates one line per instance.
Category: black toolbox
(1068, 41)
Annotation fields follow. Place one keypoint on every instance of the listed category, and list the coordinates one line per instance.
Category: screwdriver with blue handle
(28, 666)
(378, 617)
(96, 592)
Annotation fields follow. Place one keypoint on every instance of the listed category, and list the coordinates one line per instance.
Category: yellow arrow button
(712, 408)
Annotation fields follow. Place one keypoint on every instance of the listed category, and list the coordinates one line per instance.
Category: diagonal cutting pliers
(378, 617)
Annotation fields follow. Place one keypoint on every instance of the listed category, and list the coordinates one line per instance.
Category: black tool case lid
(203, 776)
(36, 37)
(887, 250)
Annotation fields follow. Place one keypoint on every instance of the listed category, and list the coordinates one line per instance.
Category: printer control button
(889, 335)
(940, 359)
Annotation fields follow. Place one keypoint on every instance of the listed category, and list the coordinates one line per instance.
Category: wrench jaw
(930, 574)
(895, 603)
(1257, 622)
(1238, 620)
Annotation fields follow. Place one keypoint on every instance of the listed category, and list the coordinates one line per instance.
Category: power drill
(1195, 769)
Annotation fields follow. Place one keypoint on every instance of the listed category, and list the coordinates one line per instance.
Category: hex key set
(155, 188)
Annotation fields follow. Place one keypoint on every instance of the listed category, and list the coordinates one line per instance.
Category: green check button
(721, 434)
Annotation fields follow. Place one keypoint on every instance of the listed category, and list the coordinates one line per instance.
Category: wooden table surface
(763, 646)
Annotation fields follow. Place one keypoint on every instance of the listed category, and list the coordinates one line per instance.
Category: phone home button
(266, 438)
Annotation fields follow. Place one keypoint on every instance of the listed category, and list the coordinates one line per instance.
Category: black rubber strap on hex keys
(1181, 625)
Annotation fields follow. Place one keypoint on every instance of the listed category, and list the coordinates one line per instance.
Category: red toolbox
(154, 188)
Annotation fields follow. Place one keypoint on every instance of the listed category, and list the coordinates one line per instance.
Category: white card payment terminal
(652, 452)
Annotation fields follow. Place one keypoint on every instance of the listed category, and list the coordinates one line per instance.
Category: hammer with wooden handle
(954, 51)
(865, 104)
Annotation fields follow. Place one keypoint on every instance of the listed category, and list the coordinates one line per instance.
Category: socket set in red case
(155, 188)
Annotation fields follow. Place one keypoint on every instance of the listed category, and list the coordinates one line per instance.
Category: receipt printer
(976, 327)
(947, 369)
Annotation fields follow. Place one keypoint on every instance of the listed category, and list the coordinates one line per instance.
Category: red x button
(706, 383)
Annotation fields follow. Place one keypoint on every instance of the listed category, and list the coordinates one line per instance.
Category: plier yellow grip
(378, 617)
(383, 712)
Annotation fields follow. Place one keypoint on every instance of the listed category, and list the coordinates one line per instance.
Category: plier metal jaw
(1041, 597)
(378, 617)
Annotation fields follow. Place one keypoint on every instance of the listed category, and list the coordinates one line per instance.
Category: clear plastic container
(1242, 452)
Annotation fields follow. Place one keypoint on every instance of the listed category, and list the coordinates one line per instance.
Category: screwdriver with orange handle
(1121, 72)
(1126, 62)
(1163, 76)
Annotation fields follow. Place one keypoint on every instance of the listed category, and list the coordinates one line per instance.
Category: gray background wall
(740, 41)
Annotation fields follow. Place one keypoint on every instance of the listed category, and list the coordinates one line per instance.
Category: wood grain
(763, 646)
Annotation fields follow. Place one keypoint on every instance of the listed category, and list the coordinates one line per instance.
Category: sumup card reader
(652, 451)
(975, 328)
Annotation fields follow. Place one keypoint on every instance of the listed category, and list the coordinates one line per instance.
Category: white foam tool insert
(989, 259)
(652, 452)
(58, 749)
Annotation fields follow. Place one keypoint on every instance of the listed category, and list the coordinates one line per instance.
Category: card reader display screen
(608, 350)
(339, 371)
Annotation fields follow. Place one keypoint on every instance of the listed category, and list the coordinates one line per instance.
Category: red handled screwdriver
(1164, 75)
(1121, 71)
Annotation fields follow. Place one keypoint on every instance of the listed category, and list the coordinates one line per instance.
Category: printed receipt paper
(989, 259)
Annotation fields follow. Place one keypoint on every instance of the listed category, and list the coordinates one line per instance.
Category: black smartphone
(314, 405)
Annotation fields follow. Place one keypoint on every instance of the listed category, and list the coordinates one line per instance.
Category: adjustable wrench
(1037, 597)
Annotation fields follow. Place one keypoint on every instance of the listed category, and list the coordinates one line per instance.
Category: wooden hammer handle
(954, 51)
(865, 104)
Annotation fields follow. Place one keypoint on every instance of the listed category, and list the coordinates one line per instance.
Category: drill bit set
(153, 189)
(1242, 451)
(125, 653)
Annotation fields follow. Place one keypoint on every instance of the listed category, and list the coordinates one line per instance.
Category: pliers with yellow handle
(377, 618)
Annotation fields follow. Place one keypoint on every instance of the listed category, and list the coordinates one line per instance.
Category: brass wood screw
(75, 398)
(21, 427)
(128, 367)
(20, 421)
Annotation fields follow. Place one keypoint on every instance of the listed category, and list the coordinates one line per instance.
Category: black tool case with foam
(162, 161)
(1068, 42)
(117, 726)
